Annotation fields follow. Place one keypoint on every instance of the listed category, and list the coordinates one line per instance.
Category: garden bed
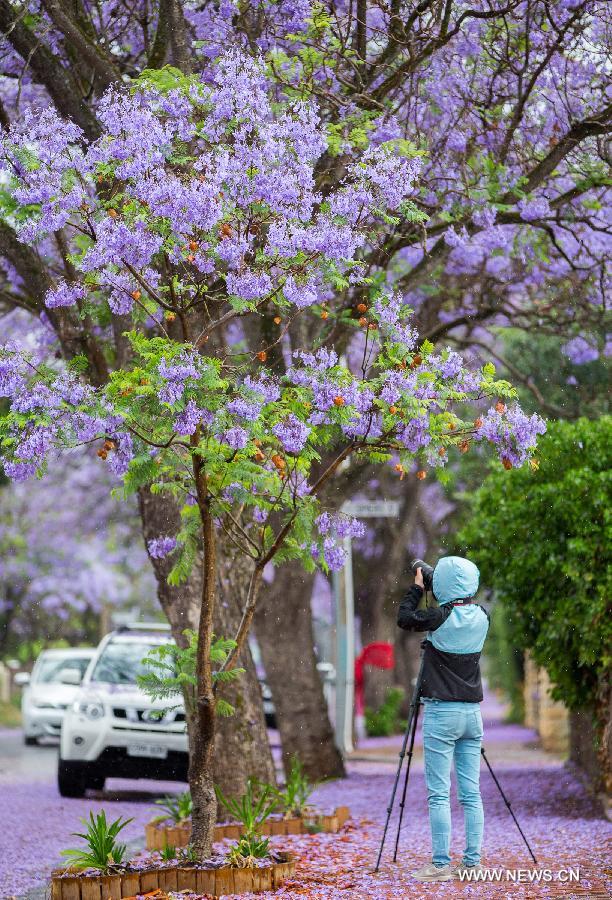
(214, 879)
(158, 835)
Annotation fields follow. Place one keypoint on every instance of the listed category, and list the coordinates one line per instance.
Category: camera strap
(463, 602)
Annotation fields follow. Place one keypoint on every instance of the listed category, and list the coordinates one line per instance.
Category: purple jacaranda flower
(512, 432)
(451, 365)
(249, 285)
(267, 388)
(456, 141)
(161, 547)
(175, 375)
(532, 210)
(12, 378)
(187, 421)
(347, 526)
(484, 217)
(119, 244)
(244, 409)
(19, 471)
(300, 294)
(235, 437)
(580, 351)
(64, 294)
(334, 555)
(119, 459)
(292, 433)
(324, 523)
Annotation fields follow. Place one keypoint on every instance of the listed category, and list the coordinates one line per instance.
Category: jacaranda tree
(192, 216)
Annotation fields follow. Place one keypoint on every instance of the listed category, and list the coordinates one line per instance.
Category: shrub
(385, 720)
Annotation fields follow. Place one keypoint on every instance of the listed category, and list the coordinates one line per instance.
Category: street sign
(372, 509)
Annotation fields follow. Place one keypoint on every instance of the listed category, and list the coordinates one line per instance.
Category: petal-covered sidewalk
(562, 822)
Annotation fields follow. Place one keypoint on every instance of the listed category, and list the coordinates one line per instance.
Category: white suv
(112, 728)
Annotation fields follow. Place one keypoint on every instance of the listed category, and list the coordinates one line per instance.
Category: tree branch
(48, 71)
(105, 71)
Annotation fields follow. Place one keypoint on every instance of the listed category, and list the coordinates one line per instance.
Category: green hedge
(542, 539)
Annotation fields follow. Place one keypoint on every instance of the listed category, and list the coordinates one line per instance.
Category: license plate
(152, 751)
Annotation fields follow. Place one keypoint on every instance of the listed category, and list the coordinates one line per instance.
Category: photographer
(451, 692)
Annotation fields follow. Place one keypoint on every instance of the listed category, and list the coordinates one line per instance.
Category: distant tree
(70, 555)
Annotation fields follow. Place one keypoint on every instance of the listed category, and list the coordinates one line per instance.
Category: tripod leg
(403, 800)
(508, 804)
(413, 705)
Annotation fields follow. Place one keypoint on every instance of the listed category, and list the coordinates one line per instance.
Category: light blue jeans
(453, 730)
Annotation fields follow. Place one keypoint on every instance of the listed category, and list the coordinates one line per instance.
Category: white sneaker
(433, 873)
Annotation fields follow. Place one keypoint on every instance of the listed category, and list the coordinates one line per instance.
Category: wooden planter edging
(216, 882)
(158, 837)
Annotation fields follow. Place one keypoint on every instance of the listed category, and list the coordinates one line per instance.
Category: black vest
(451, 676)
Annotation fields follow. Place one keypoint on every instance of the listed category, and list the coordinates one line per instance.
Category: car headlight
(92, 709)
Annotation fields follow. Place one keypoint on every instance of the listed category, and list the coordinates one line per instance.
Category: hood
(126, 695)
(54, 694)
(454, 578)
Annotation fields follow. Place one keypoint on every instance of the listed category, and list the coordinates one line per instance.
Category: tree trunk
(241, 744)
(201, 758)
(242, 749)
(284, 632)
(201, 781)
(160, 515)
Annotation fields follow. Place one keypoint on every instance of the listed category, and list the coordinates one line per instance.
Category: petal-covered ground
(563, 824)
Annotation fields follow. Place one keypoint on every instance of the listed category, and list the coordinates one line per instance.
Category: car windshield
(49, 668)
(121, 662)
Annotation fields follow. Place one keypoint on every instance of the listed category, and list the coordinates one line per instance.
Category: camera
(426, 570)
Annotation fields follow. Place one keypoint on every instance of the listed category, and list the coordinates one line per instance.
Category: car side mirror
(69, 676)
(21, 679)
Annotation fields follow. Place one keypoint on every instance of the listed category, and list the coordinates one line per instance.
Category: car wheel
(71, 779)
(30, 741)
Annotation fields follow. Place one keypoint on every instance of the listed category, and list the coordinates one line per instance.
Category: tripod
(411, 727)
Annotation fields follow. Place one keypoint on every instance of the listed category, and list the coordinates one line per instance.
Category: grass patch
(10, 714)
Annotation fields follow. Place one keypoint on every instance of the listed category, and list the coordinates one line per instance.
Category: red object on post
(379, 655)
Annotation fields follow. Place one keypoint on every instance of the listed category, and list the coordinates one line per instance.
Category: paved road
(19, 761)
(37, 823)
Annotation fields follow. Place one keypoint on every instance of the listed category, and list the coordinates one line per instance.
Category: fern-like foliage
(171, 673)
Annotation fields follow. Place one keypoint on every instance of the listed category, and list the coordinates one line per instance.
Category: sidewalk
(564, 826)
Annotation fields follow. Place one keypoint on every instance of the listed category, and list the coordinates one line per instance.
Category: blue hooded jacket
(456, 631)
(465, 629)
(455, 578)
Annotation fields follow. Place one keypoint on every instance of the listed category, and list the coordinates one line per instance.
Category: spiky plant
(102, 850)
(176, 807)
